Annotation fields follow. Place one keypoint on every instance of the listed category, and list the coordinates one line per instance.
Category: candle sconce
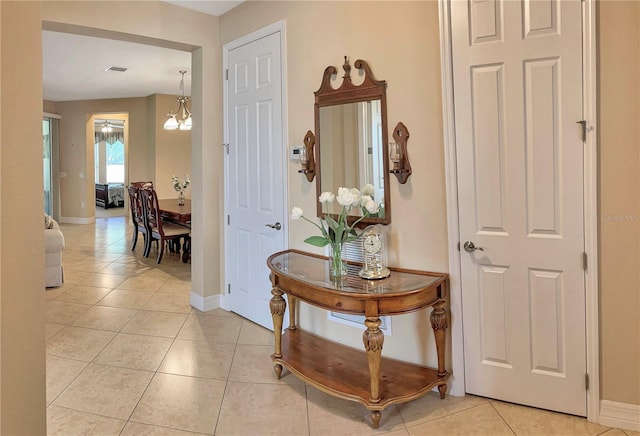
(306, 157)
(398, 153)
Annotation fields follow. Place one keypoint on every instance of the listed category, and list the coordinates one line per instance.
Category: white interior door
(518, 95)
(256, 188)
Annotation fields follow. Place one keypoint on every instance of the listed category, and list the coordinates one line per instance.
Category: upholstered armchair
(53, 246)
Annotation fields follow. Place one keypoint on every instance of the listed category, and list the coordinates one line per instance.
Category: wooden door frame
(590, 204)
(277, 27)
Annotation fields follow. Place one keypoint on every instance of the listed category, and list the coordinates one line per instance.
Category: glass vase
(181, 199)
(337, 265)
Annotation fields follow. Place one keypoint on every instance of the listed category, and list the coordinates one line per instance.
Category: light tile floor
(127, 355)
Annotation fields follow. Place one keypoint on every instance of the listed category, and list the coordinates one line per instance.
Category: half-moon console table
(342, 371)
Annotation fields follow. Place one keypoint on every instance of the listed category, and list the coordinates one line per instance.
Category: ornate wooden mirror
(351, 147)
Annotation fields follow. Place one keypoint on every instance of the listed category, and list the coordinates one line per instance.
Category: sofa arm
(53, 241)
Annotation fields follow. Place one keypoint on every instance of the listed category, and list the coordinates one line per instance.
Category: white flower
(368, 189)
(356, 194)
(296, 213)
(347, 198)
(364, 199)
(178, 185)
(326, 197)
(371, 206)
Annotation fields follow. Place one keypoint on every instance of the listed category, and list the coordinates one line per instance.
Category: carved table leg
(439, 324)
(373, 339)
(277, 306)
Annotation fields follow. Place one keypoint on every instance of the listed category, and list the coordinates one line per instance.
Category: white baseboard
(204, 304)
(619, 415)
(77, 220)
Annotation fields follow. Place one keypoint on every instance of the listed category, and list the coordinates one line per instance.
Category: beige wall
(619, 195)
(153, 153)
(76, 155)
(407, 57)
(49, 106)
(22, 353)
(172, 149)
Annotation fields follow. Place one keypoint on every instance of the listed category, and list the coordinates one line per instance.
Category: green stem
(324, 232)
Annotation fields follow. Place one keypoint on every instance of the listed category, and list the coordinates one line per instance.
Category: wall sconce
(398, 154)
(306, 157)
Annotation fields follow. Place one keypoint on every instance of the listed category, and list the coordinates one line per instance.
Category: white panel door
(255, 175)
(518, 96)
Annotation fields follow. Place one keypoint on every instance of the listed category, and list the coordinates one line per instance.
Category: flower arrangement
(180, 186)
(337, 231)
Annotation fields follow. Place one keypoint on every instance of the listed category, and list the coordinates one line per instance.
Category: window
(115, 162)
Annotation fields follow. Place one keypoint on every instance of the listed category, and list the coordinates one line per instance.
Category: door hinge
(226, 74)
(586, 381)
(229, 288)
(583, 129)
(226, 148)
(228, 220)
(458, 245)
(584, 260)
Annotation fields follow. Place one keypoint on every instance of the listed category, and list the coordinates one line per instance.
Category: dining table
(170, 209)
(180, 214)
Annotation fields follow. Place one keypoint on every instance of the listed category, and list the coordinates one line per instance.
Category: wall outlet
(82, 205)
(81, 175)
(62, 174)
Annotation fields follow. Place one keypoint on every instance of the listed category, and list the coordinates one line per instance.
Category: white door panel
(255, 174)
(518, 95)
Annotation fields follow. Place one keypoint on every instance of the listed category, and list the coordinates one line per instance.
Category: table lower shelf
(344, 372)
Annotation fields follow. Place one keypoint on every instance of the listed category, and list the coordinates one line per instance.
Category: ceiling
(73, 66)
(217, 7)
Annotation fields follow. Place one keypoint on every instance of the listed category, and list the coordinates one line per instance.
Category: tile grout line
(155, 373)
(226, 383)
(116, 334)
(502, 417)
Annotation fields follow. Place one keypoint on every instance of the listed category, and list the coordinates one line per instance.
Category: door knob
(470, 247)
(276, 226)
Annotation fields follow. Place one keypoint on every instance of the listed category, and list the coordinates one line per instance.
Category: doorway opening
(110, 139)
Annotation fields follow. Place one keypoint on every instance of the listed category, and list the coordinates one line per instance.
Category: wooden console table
(344, 372)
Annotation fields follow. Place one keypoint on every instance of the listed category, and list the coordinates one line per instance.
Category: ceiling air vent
(118, 69)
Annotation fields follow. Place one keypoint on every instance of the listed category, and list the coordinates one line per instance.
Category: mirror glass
(351, 149)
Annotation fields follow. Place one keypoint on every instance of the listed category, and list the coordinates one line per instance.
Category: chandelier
(181, 118)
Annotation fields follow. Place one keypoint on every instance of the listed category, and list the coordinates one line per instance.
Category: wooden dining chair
(135, 204)
(142, 185)
(156, 228)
